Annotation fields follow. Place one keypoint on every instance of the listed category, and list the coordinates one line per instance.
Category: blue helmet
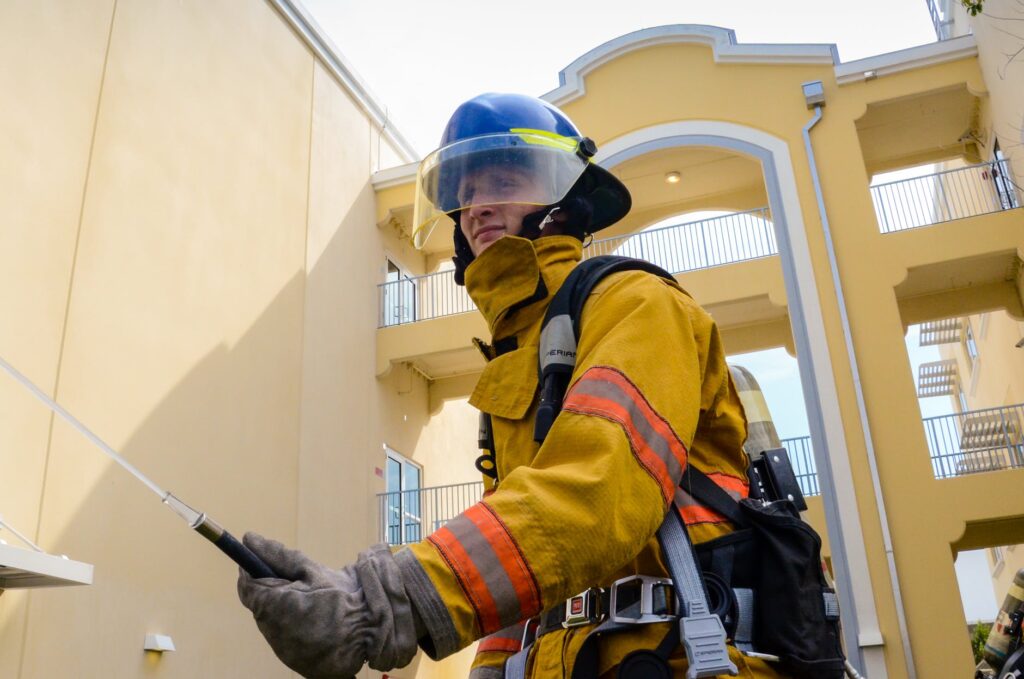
(526, 133)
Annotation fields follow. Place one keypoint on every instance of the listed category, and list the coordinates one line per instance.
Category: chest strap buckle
(584, 609)
(643, 599)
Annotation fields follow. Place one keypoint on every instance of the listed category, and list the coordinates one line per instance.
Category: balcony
(410, 515)
(678, 248)
(945, 196)
(946, 331)
(976, 441)
(937, 378)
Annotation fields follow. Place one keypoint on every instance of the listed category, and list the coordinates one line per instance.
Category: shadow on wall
(267, 434)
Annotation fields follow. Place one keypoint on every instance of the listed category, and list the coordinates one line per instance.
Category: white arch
(820, 390)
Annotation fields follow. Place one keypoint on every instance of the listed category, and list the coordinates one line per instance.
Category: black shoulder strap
(557, 358)
(710, 494)
(561, 329)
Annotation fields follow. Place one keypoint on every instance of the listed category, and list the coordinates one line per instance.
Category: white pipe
(858, 389)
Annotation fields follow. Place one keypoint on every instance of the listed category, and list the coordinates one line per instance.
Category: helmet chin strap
(549, 219)
(535, 222)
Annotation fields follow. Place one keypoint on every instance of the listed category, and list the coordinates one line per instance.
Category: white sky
(422, 59)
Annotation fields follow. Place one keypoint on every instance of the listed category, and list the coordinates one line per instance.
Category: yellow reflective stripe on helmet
(546, 138)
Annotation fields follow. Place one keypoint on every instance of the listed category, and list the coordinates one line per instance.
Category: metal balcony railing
(945, 196)
(801, 455)
(976, 441)
(410, 515)
(941, 22)
(682, 247)
(420, 298)
(703, 244)
(946, 331)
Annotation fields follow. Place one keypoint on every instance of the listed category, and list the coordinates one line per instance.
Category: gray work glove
(326, 623)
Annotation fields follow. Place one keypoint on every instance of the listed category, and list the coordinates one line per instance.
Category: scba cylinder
(998, 642)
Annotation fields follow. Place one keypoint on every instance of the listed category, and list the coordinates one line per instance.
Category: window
(970, 345)
(398, 301)
(1002, 177)
(402, 502)
(998, 559)
(962, 398)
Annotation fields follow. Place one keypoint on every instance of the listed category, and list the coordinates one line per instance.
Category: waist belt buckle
(530, 627)
(647, 586)
(584, 608)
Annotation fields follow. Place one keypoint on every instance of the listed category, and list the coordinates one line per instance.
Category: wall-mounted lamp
(159, 643)
(673, 177)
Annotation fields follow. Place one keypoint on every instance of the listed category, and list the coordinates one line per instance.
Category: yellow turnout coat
(650, 394)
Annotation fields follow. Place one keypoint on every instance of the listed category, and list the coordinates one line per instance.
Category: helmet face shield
(525, 167)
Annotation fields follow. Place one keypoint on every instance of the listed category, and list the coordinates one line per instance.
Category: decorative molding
(905, 60)
(394, 176)
(721, 40)
(311, 33)
(396, 225)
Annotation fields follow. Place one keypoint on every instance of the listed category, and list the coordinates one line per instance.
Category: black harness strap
(561, 328)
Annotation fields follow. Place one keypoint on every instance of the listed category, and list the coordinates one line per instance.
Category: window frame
(408, 503)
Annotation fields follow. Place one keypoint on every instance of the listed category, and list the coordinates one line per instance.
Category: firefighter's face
(496, 203)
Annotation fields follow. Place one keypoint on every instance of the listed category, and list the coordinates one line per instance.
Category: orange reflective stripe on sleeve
(607, 393)
(508, 640)
(490, 568)
(694, 512)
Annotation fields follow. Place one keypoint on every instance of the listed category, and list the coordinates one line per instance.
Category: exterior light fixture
(673, 177)
(159, 643)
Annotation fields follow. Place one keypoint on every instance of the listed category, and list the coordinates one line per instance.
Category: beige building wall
(1004, 561)
(999, 56)
(189, 255)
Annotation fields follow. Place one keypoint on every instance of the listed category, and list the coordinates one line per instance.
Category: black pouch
(778, 556)
(797, 613)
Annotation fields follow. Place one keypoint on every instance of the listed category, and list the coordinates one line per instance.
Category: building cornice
(911, 58)
(311, 33)
(394, 176)
(721, 40)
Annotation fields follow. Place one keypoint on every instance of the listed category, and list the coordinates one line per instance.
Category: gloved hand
(326, 623)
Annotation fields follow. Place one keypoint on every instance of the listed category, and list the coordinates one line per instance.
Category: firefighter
(562, 520)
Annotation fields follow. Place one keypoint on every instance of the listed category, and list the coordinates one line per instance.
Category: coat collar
(516, 273)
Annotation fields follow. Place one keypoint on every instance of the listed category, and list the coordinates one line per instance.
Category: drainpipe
(815, 97)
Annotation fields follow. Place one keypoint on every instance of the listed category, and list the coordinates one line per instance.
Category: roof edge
(394, 176)
(323, 48)
(908, 59)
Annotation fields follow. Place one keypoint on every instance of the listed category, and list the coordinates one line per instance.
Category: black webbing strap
(710, 494)
(561, 330)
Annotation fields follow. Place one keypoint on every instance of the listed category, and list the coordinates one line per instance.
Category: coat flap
(508, 384)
